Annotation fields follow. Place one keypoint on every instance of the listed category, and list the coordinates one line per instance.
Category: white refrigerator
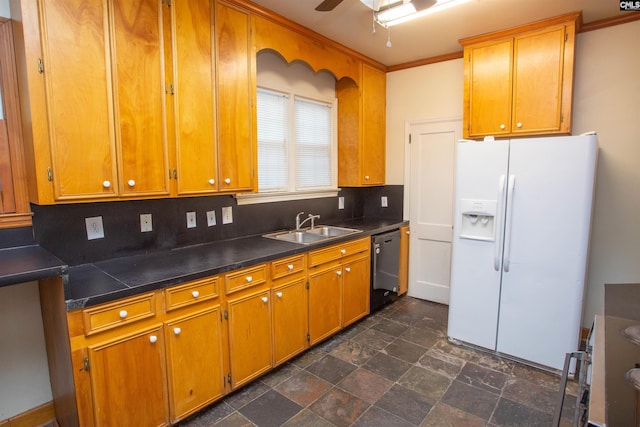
(520, 246)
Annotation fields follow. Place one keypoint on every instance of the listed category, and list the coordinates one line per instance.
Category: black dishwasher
(385, 263)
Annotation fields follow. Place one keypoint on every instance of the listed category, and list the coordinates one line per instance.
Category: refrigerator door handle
(509, 219)
(497, 246)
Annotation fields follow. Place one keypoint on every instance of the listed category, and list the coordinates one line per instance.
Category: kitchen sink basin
(308, 236)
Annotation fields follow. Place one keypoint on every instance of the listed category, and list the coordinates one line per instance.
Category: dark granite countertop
(28, 263)
(99, 282)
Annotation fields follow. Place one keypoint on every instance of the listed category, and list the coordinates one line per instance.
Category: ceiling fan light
(396, 12)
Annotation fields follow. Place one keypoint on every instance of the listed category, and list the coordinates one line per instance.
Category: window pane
(312, 144)
(273, 132)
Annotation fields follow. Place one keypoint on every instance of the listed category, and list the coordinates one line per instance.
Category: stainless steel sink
(308, 236)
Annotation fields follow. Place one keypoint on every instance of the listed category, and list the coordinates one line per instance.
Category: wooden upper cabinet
(139, 86)
(361, 129)
(65, 84)
(194, 99)
(235, 73)
(519, 81)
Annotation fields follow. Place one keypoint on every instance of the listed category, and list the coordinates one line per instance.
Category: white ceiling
(437, 34)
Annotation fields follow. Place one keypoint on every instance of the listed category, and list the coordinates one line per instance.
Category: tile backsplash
(61, 229)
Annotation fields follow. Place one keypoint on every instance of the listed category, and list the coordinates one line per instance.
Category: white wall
(24, 375)
(606, 99)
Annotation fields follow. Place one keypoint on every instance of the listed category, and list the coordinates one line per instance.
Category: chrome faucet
(310, 217)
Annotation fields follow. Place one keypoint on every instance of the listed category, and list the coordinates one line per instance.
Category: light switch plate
(341, 202)
(146, 224)
(384, 202)
(211, 218)
(191, 220)
(95, 229)
(227, 215)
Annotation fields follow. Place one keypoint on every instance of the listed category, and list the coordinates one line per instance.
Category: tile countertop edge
(129, 276)
(27, 264)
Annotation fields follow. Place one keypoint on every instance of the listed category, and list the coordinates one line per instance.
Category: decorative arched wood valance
(294, 46)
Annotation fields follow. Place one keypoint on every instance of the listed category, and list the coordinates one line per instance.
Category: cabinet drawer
(123, 312)
(191, 293)
(245, 278)
(338, 251)
(287, 266)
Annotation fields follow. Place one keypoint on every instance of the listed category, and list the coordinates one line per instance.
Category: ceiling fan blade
(328, 5)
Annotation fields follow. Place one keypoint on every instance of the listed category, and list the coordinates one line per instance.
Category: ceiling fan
(375, 5)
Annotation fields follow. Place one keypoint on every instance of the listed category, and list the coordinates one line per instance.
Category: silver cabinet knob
(177, 331)
(212, 181)
(131, 183)
(502, 126)
(264, 299)
(339, 272)
(366, 177)
(153, 339)
(195, 294)
(123, 314)
(343, 251)
(290, 266)
(279, 294)
(519, 124)
(106, 184)
(249, 279)
(348, 269)
(227, 181)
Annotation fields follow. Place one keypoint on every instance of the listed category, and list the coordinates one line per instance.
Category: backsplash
(61, 229)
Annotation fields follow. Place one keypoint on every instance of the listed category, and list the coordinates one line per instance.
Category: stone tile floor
(393, 368)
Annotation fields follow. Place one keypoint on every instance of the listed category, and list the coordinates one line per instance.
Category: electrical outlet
(383, 201)
(341, 202)
(191, 220)
(211, 218)
(95, 229)
(145, 223)
(227, 215)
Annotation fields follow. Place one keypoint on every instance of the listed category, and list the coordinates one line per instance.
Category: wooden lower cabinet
(250, 349)
(195, 367)
(356, 289)
(325, 301)
(290, 319)
(128, 380)
(403, 273)
(155, 358)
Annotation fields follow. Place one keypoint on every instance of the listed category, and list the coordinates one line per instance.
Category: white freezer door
(475, 283)
(546, 247)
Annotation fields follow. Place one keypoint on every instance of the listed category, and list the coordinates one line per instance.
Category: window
(297, 134)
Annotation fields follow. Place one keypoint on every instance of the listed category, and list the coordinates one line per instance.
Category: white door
(430, 175)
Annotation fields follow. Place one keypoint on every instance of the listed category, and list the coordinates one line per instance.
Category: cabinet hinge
(85, 364)
(561, 117)
(566, 37)
(308, 337)
(226, 314)
(409, 138)
(229, 378)
(167, 2)
(40, 66)
(49, 174)
(307, 284)
(175, 173)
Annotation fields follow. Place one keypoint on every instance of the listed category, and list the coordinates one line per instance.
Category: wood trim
(610, 22)
(36, 417)
(426, 61)
(10, 95)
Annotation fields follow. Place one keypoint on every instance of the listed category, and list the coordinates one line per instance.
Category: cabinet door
(488, 83)
(128, 381)
(538, 77)
(236, 148)
(373, 147)
(290, 319)
(75, 46)
(356, 290)
(194, 99)
(194, 361)
(325, 302)
(139, 96)
(249, 337)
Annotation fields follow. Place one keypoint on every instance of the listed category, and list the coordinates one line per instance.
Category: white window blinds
(299, 163)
